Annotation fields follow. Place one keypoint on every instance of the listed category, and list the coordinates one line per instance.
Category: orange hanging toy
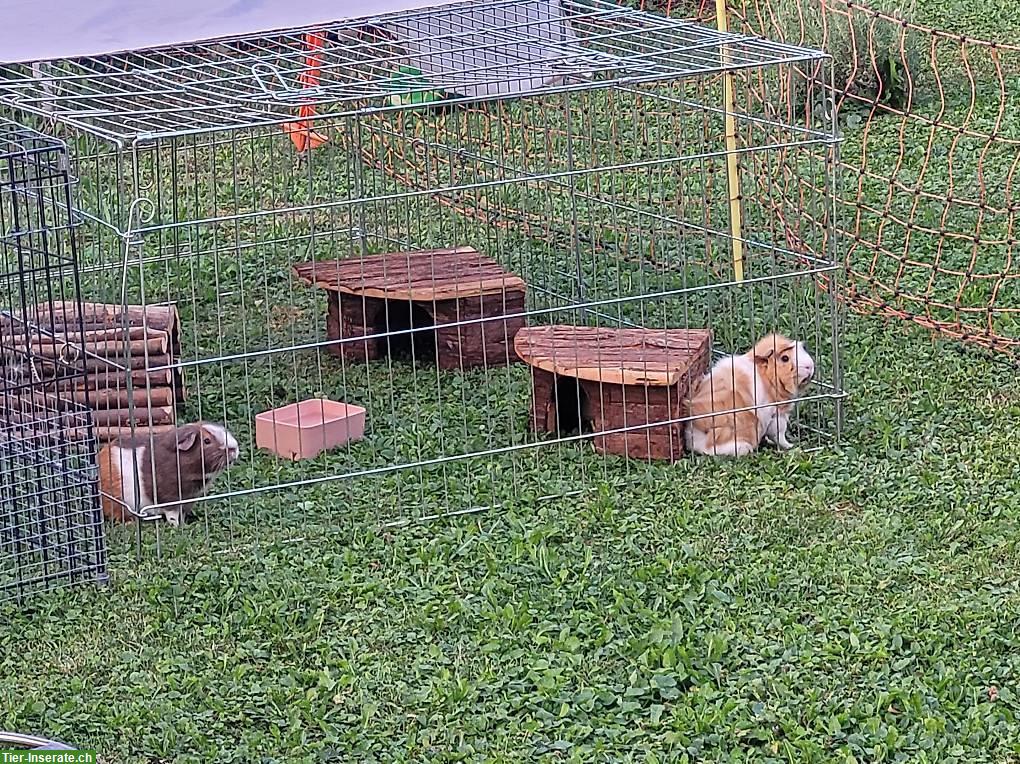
(301, 132)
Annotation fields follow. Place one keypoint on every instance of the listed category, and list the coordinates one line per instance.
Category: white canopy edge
(45, 30)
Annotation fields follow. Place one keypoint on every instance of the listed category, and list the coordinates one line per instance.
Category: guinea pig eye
(785, 359)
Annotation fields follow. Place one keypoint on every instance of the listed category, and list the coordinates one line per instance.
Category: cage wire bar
(51, 530)
(370, 211)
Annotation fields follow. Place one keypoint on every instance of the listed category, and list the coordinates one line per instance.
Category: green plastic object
(410, 86)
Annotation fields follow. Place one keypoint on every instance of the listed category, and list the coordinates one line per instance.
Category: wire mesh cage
(467, 254)
(51, 531)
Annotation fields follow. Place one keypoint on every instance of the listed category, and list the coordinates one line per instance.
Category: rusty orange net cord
(927, 207)
(301, 133)
(925, 211)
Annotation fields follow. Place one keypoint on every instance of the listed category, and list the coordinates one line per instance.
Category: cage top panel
(469, 51)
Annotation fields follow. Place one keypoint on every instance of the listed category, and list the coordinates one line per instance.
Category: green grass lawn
(983, 19)
(855, 604)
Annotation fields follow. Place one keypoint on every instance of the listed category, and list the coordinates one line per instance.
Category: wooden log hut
(614, 383)
(425, 295)
(62, 357)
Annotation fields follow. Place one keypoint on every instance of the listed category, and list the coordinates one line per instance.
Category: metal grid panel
(605, 192)
(471, 50)
(51, 531)
(611, 204)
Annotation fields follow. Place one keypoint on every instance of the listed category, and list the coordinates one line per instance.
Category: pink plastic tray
(306, 429)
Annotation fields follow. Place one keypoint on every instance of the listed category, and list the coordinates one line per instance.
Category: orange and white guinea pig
(772, 374)
(170, 469)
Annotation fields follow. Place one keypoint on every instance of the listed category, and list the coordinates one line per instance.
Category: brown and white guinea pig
(169, 468)
(772, 374)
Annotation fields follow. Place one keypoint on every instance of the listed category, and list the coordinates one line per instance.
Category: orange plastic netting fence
(928, 201)
(927, 206)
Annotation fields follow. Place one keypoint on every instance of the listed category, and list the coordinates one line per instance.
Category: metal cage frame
(590, 147)
(51, 531)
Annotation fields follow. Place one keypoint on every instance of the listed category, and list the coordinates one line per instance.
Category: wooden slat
(612, 356)
(105, 434)
(100, 321)
(426, 276)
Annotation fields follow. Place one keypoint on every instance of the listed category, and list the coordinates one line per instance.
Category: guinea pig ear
(759, 358)
(186, 440)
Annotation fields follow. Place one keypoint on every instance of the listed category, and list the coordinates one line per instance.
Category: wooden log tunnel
(600, 380)
(140, 343)
(428, 292)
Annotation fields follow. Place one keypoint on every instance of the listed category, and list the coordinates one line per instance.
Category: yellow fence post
(733, 176)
